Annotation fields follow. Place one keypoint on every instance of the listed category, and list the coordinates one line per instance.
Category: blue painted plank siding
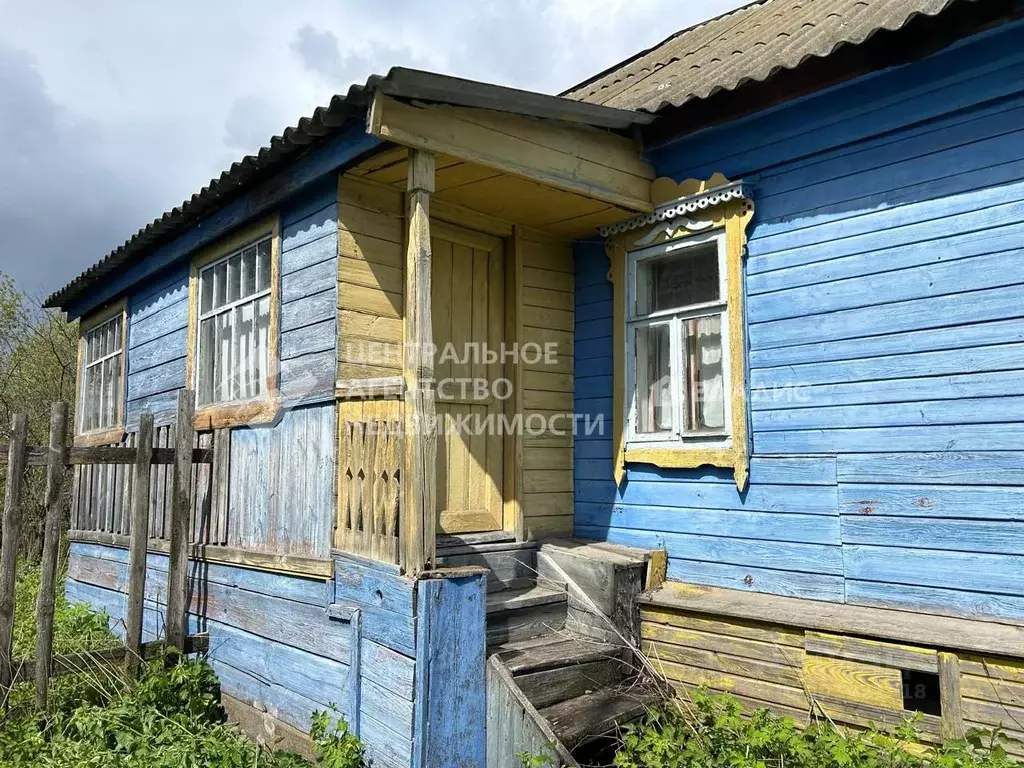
(884, 309)
(157, 347)
(272, 643)
(309, 294)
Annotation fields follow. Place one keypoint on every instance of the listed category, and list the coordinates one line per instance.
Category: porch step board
(513, 565)
(582, 719)
(525, 613)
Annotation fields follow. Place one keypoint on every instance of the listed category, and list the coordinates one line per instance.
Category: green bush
(709, 732)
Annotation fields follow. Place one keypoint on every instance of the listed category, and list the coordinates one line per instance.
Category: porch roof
(313, 131)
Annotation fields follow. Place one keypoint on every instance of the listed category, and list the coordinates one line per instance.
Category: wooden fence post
(139, 540)
(11, 538)
(181, 502)
(51, 551)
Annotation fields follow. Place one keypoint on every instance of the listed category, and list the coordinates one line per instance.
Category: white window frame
(678, 438)
(231, 306)
(118, 317)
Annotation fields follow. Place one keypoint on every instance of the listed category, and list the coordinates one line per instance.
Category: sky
(113, 112)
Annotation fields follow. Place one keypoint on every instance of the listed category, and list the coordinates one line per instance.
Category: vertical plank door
(468, 313)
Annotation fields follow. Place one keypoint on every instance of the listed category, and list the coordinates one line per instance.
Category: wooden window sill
(110, 436)
(251, 413)
(922, 629)
(691, 458)
(294, 565)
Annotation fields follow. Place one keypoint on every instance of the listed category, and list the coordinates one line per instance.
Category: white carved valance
(680, 207)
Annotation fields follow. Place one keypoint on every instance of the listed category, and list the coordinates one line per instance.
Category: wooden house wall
(419, 685)
(309, 294)
(157, 348)
(884, 302)
(547, 284)
(371, 281)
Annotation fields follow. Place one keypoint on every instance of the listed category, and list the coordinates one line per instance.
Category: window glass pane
(259, 365)
(117, 334)
(91, 399)
(220, 283)
(246, 351)
(90, 347)
(222, 388)
(263, 282)
(234, 277)
(653, 379)
(111, 369)
(684, 278)
(705, 376)
(207, 348)
(249, 272)
(206, 290)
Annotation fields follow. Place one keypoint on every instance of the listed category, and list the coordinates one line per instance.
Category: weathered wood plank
(51, 545)
(950, 699)
(854, 681)
(872, 651)
(138, 543)
(418, 511)
(177, 577)
(11, 539)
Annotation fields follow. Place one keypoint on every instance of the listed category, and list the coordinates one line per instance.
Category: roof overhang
(428, 95)
(570, 156)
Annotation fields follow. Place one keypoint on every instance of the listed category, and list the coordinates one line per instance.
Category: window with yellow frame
(680, 381)
(101, 376)
(234, 307)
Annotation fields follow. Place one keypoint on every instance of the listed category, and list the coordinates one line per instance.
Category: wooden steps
(554, 676)
(524, 613)
(583, 718)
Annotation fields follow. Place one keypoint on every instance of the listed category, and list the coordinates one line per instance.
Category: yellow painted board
(544, 381)
(547, 480)
(548, 458)
(545, 297)
(359, 298)
(998, 668)
(854, 681)
(768, 633)
(551, 256)
(547, 504)
(666, 636)
(544, 317)
(992, 689)
(380, 276)
(784, 695)
(372, 223)
(548, 279)
(734, 666)
(374, 198)
(547, 526)
(559, 401)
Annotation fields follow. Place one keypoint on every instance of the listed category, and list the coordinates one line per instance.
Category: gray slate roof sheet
(746, 45)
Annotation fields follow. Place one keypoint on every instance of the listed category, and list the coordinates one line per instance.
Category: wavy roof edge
(326, 121)
(700, 61)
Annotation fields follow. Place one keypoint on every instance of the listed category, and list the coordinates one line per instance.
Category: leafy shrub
(711, 733)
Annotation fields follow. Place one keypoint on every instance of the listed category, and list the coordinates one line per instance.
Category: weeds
(714, 734)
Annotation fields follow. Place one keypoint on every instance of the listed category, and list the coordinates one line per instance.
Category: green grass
(171, 717)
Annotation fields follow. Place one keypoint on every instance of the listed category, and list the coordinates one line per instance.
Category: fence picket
(51, 549)
(9, 546)
(181, 508)
(139, 543)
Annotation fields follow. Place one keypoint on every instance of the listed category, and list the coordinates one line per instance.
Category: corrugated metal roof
(746, 45)
(324, 122)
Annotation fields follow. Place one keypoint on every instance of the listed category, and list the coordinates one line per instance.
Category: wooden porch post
(419, 477)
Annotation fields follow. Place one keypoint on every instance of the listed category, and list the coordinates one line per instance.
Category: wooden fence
(56, 458)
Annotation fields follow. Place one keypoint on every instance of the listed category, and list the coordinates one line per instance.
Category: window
(677, 350)
(234, 326)
(100, 385)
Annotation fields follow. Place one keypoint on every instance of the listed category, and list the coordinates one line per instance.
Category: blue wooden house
(717, 354)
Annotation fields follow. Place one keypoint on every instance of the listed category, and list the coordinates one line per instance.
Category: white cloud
(112, 112)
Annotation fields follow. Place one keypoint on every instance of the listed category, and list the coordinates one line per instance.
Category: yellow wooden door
(468, 297)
